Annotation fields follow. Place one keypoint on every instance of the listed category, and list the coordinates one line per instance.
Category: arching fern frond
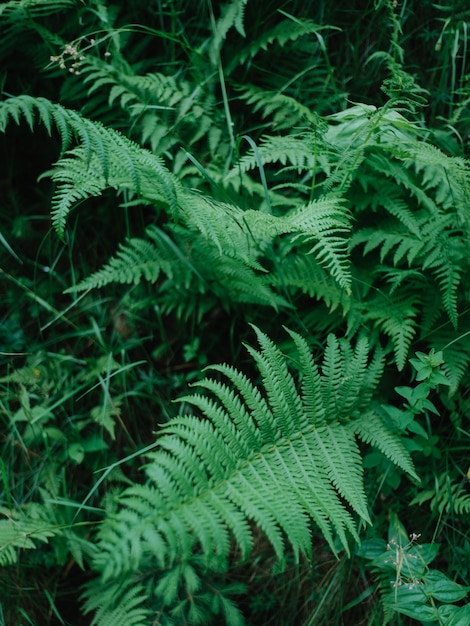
(19, 532)
(372, 429)
(144, 259)
(104, 158)
(446, 496)
(286, 111)
(185, 264)
(294, 149)
(327, 223)
(447, 177)
(18, 16)
(396, 316)
(285, 31)
(118, 605)
(278, 456)
(232, 15)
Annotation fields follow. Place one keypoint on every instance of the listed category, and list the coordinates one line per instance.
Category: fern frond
(311, 383)
(144, 259)
(397, 207)
(397, 277)
(18, 16)
(234, 231)
(446, 176)
(293, 149)
(232, 15)
(396, 316)
(447, 497)
(445, 254)
(18, 532)
(302, 272)
(404, 245)
(279, 384)
(10, 10)
(340, 454)
(327, 223)
(396, 170)
(286, 112)
(284, 32)
(449, 278)
(270, 456)
(117, 605)
(105, 158)
(371, 429)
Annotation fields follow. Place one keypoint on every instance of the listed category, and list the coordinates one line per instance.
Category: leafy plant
(217, 165)
(408, 585)
(278, 457)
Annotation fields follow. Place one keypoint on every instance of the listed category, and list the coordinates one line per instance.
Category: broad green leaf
(443, 588)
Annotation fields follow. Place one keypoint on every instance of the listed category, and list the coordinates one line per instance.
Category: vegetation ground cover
(235, 321)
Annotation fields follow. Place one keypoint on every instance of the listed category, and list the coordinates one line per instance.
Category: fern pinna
(278, 457)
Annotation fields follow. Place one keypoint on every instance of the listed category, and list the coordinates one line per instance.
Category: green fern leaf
(396, 316)
(118, 605)
(327, 223)
(17, 532)
(287, 112)
(285, 31)
(371, 429)
(445, 497)
(105, 158)
(277, 457)
(273, 457)
(144, 259)
(232, 14)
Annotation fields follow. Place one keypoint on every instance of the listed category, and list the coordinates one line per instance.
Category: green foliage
(409, 586)
(417, 233)
(116, 161)
(278, 457)
(18, 534)
(219, 167)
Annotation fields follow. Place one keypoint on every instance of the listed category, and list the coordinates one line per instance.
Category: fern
(284, 32)
(279, 457)
(18, 16)
(295, 150)
(396, 316)
(345, 168)
(303, 273)
(447, 177)
(286, 111)
(120, 606)
(19, 532)
(231, 15)
(144, 259)
(185, 266)
(160, 106)
(104, 159)
(447, 497)
(238, 240)
(372, 429)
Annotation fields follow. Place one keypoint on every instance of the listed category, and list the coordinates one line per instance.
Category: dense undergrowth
(235, 313)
